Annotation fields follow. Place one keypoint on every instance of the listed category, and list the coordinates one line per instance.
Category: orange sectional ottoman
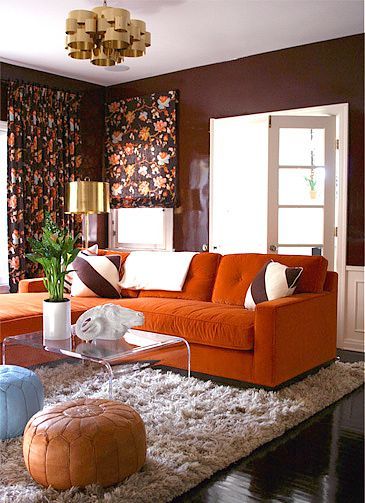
(278, 341)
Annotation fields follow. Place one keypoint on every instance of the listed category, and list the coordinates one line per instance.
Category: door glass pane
(301, 186)
(301, 147)
(295, 250)
(300, 226)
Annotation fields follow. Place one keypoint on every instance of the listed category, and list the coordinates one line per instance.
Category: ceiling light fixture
(105, 35)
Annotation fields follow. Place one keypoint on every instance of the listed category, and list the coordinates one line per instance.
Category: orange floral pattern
(43, 154)
(141, 151)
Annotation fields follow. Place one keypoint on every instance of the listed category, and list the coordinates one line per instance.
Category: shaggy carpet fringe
(194, 428)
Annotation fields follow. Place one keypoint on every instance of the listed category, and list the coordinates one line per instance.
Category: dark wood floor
(322, 460)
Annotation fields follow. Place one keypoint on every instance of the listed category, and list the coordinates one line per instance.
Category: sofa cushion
(21, 313)
(236, 272)
(199, 281)
(196, 321)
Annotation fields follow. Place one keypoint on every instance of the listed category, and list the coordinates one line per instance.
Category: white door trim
(342, 127)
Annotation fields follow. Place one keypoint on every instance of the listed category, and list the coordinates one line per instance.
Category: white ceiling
(185, 33)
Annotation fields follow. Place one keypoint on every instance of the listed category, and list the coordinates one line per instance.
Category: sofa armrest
(294, 335)
(331, 282)
(34, 285)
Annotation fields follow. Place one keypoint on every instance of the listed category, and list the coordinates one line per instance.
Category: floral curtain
(141, 151)
(43, 154)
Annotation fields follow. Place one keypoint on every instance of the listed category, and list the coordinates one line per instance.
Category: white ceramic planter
(56, 320)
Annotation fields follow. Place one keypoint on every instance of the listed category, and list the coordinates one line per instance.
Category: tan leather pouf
(84, 442)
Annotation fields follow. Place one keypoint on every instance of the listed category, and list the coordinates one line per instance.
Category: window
(4, 273)
(141, 228)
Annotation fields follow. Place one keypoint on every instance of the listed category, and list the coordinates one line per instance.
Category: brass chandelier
(105, 35)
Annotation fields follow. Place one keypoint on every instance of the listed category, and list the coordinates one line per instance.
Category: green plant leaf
(55, 251)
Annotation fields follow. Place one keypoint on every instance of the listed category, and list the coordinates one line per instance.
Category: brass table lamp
(87, 197)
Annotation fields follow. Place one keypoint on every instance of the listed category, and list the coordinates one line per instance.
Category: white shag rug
(194, 428)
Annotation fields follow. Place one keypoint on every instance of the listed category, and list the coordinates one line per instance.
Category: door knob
(273, 248)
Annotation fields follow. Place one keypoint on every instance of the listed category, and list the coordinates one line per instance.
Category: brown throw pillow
(92, 250)
(272, 282)
(96, 276)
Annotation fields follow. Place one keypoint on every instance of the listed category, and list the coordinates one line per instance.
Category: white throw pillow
(273, 281)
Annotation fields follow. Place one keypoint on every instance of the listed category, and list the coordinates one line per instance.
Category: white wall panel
(353, 336)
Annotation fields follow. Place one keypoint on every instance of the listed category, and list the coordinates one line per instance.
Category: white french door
(273, 184)
(302, 184)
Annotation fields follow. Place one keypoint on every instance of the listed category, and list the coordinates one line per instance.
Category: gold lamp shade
(87, 197)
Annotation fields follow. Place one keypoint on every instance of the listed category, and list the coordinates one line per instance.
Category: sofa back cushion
(199, 281)
(237, 271)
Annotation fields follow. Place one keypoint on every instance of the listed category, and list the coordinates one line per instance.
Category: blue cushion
(21, 396)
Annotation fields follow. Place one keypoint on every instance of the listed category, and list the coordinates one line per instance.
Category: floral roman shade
(141, 151)
(43, 154)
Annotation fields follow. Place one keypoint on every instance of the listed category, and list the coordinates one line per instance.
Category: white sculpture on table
(108, 321)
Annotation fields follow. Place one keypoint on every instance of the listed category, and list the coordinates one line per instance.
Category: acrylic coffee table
(136, 346)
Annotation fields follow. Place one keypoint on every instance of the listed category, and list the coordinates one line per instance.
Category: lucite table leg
(108, 369)
(188, 357)
(110, 378)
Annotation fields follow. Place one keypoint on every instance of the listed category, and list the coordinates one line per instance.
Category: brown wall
(92, 110)
(315, 74)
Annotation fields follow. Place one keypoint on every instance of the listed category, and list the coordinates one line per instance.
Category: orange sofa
(279, 341)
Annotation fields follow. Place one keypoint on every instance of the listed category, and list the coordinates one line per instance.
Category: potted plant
(312, 184)
(55, 251)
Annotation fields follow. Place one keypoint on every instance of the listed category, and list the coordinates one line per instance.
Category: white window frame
(168, 229)
(4, 287)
